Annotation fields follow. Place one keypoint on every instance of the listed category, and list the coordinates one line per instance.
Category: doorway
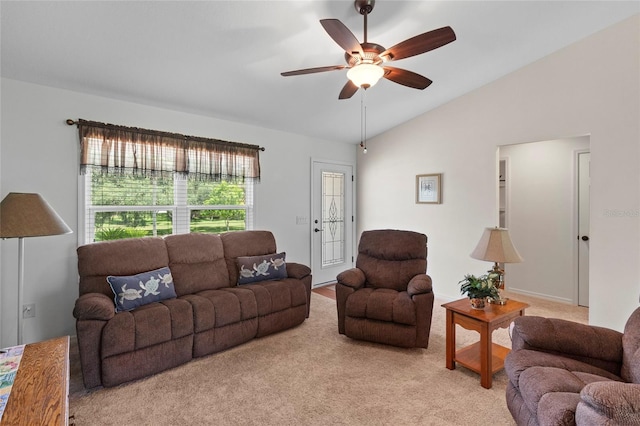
(541, 209)
(332, 223)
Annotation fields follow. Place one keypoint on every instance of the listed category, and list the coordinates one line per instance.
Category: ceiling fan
(364, 59)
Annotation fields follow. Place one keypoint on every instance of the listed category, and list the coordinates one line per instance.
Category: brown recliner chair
(565, 373)
(387, 298)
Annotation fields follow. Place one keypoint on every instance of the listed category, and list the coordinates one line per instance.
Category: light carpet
(311, 375)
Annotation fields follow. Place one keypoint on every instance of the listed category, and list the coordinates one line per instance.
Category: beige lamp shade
(29, 215)
(495, 246)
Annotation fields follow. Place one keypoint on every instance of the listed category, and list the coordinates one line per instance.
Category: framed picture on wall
(429, 189)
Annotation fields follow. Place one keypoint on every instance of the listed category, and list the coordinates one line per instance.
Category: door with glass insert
(332, 221)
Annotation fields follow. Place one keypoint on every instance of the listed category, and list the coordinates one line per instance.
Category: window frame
(181, 217)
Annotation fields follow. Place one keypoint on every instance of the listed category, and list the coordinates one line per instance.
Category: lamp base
(500, 301)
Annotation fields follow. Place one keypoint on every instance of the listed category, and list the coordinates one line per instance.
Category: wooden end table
(483, 357)
(40, 392)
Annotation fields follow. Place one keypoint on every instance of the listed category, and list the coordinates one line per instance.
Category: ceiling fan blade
(406, 78)
(342, 35)
(348, 90)
(420, 44)
(313, 70)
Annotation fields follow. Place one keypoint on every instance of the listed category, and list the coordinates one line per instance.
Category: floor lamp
(27, 215)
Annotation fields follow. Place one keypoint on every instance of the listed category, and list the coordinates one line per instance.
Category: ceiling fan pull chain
(365, 128)
(362, 119)
(363, 124)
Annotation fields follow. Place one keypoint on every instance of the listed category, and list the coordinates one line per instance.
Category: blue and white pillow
(252, 269)
(137, 290)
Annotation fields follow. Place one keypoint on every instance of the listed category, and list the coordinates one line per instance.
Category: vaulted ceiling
(224, 58)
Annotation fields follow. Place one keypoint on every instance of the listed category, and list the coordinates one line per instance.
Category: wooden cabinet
(40, 393)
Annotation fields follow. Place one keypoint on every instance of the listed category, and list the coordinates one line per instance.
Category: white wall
(39, 153)
(589, 88)
(542, 217)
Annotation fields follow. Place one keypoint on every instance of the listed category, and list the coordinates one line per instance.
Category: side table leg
(451, 341)
(486, 375)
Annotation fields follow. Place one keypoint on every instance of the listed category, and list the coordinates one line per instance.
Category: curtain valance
(132, 150)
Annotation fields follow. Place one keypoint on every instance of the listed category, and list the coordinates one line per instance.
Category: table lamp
(495, 246)
(27, 215)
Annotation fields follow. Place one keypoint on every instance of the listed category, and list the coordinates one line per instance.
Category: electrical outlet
(29, 311)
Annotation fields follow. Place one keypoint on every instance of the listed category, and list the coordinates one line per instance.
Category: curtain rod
(71, 122)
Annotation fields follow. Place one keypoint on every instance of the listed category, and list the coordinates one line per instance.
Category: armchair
(565, 373)
(387, 298)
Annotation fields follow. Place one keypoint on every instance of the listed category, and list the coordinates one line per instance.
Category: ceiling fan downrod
(364, 7)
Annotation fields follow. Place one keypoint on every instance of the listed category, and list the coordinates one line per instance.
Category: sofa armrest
(297, 270)
(609, 403)
(353, 278)
(94, 306)
(576, 340)
(419, 284)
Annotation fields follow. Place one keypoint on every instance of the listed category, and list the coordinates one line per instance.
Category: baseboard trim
(542, 296)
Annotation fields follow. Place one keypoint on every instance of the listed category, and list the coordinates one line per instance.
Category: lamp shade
(495, 246)
(29, 215)
(365, 75)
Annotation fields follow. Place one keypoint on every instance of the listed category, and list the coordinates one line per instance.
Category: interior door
(332, 223)
(583, 228)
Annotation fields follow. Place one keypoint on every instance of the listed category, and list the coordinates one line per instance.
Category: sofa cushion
(252, 269)
(132, 291)
(521, 360)
(382, 305)
(146, 326)
(118, 257)
(197, 262)
(219, 308)
(609, 403)
(278, 295)
(245, 243)
(536, 382)
(598, 346)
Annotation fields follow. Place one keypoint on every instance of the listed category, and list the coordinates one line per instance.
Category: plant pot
(477, 302)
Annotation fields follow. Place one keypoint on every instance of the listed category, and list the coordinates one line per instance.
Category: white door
(583, 228)
(332, 221)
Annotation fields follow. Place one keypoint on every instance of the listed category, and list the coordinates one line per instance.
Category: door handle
(318, 230)
(585, 238)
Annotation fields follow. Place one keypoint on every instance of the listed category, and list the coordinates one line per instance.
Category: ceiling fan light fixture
(365, 75)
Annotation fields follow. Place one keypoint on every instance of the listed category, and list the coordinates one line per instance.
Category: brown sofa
(387, 298)
(211, 312)
(566, 373)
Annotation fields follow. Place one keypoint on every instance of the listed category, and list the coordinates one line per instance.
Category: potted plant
(477, 289)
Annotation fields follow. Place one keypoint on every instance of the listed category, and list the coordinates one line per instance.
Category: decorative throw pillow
(253, 269)
(141, 289)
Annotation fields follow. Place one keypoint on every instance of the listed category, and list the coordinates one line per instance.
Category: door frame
(353, 209)
(576, 223)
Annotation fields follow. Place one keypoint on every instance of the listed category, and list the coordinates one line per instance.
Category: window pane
(130, 224)
(200, 193)
(217, 221)
(122, 206)
(333, 238)
(122, 190)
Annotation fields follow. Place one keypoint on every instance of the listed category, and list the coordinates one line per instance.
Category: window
(123, 200)
(117, 206)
